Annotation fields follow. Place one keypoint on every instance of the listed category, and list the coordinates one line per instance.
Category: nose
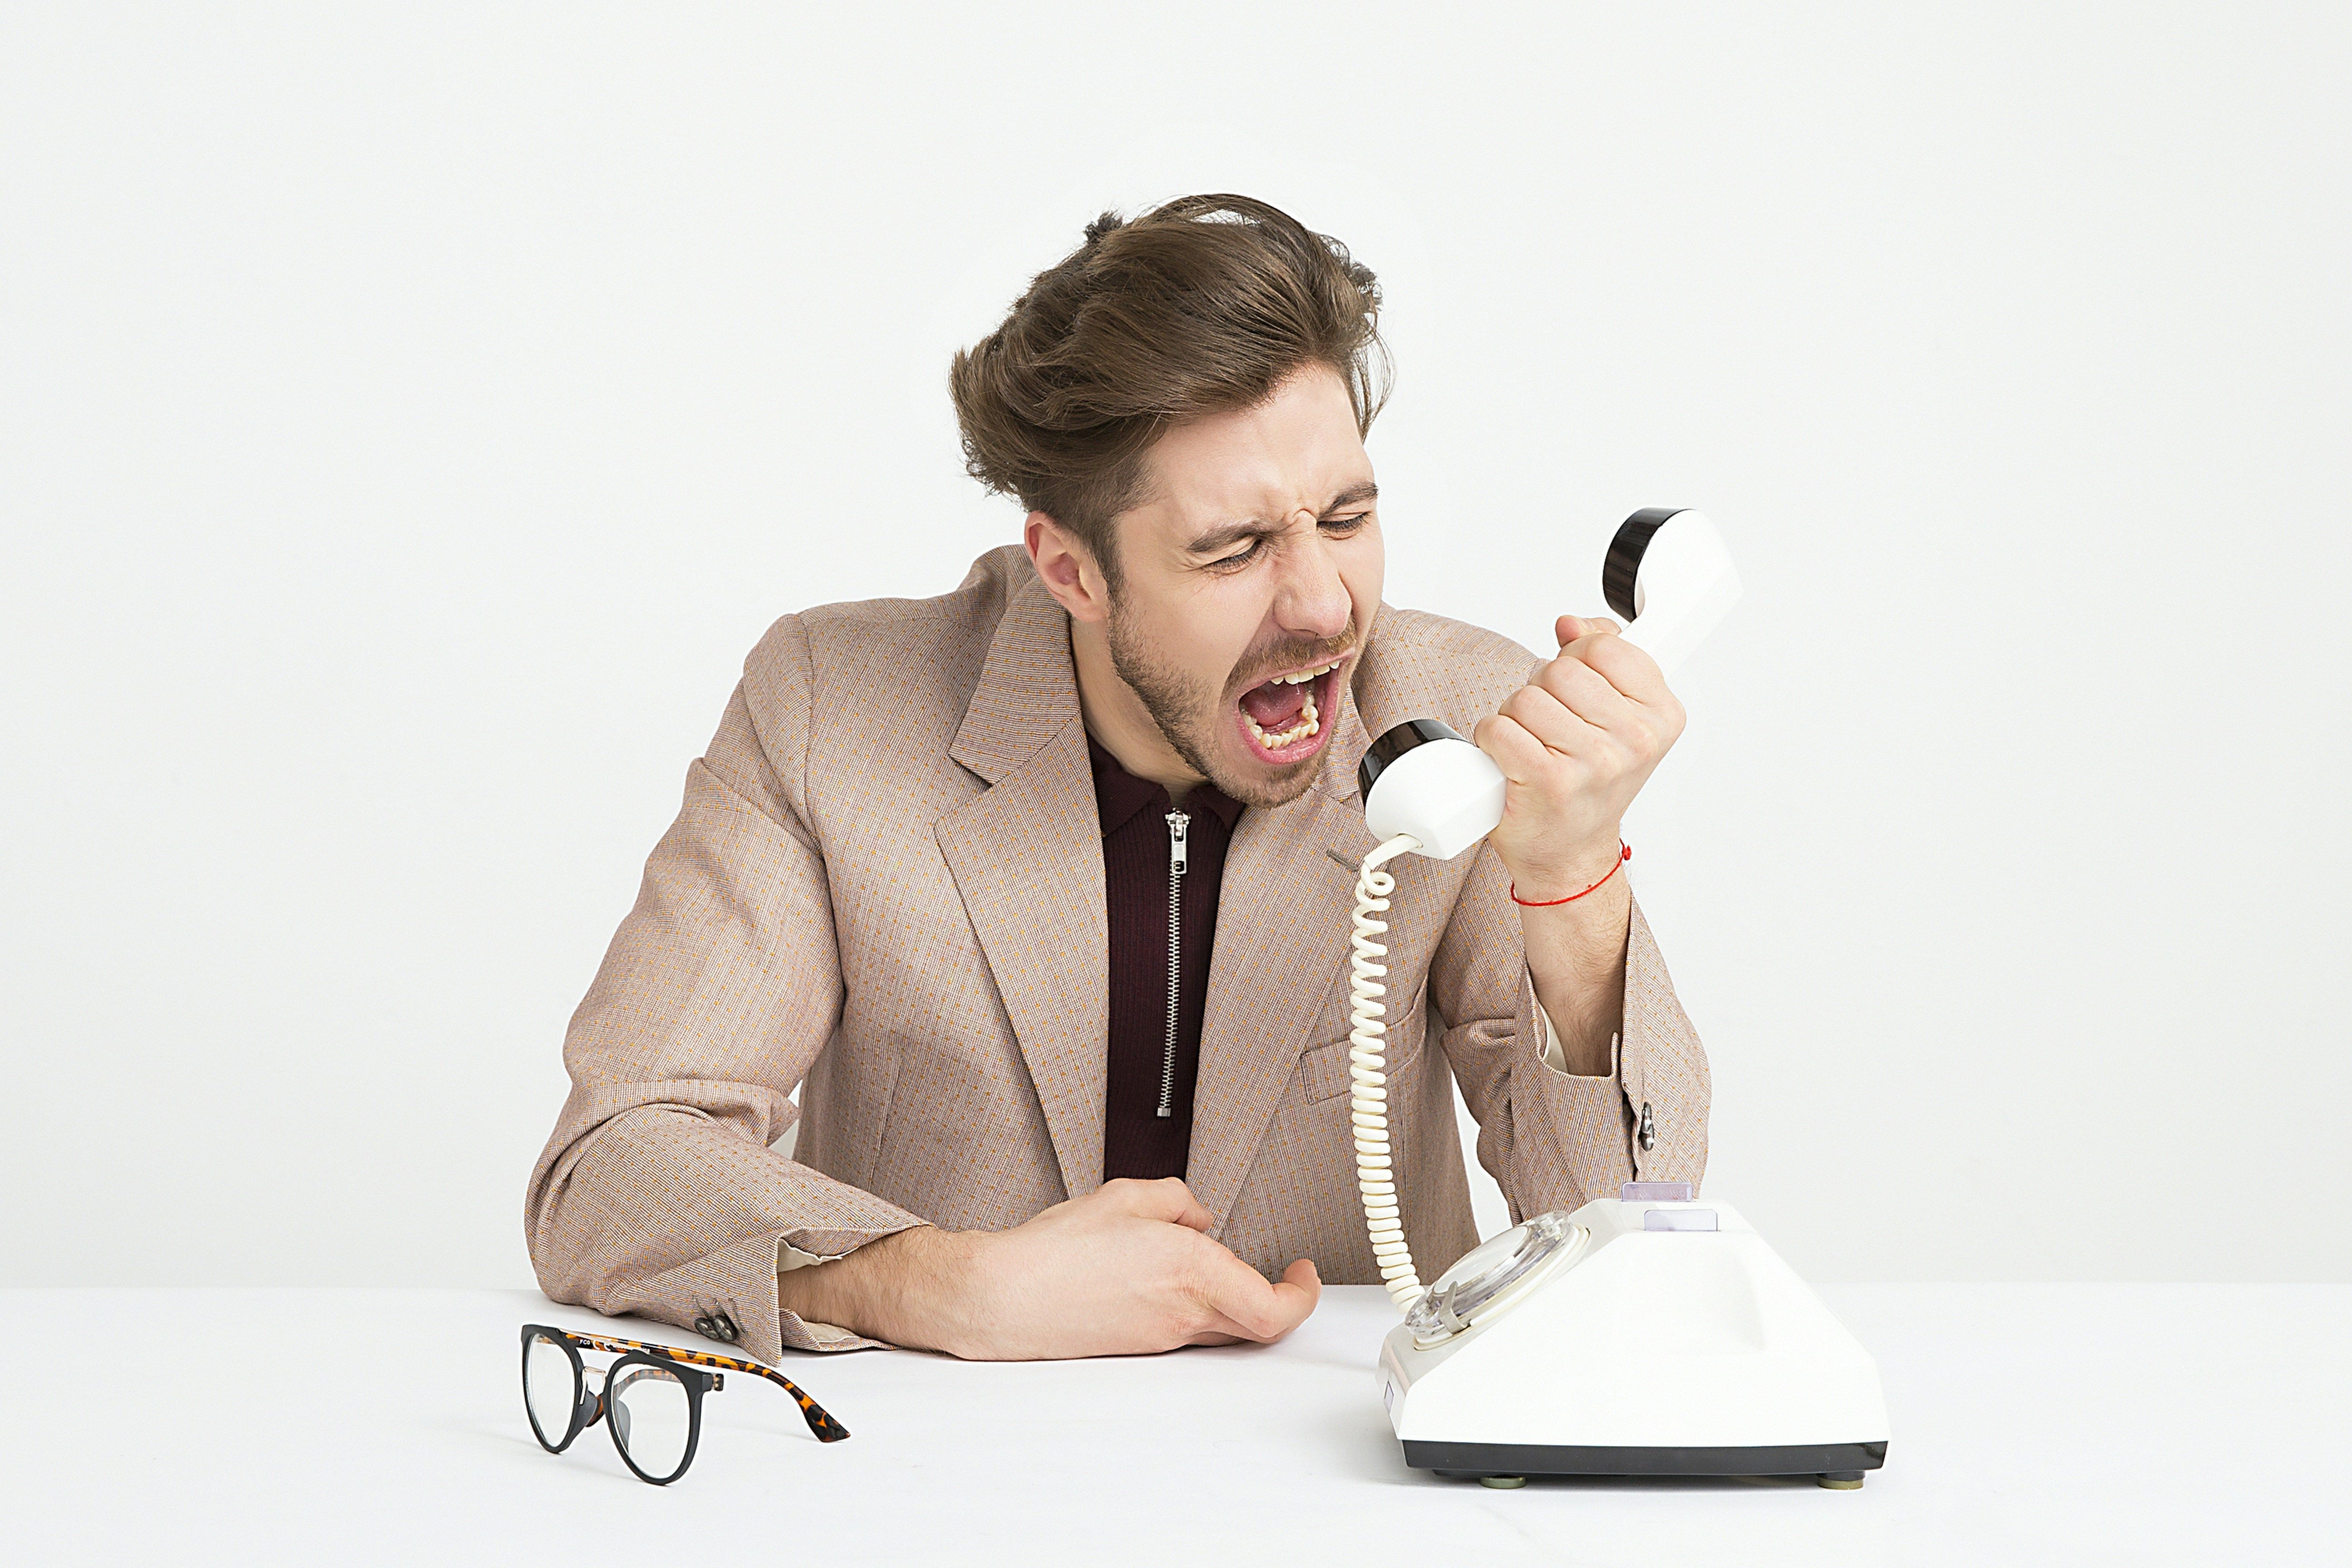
(1310, 598)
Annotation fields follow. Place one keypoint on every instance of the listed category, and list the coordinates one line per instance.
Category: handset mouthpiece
(1669, 574)
(1423, 781)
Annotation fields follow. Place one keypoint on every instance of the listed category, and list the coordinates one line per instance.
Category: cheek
(1208, 637)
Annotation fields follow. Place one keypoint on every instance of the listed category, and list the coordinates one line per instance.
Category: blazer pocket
(1322, 1071)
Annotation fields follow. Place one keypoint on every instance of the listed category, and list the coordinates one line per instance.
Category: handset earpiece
(1670, 575)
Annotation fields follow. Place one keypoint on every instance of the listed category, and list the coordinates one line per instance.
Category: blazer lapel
(1026, 856)
(1282, 932)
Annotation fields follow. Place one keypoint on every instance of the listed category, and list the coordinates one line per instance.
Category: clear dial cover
(1482, 1275)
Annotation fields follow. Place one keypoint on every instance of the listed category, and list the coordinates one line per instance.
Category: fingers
(1523, 758)
(1568, 628)
(1576, 679)
(1627, 667)
(1611, 686)
(1542, 713)
(1194, 1217)
(1168, 1199)
(1210, 1294)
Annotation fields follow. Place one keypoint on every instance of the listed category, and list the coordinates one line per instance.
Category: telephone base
(1482, 1460)
(1661, 1338)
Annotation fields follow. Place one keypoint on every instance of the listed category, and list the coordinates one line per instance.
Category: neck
(1116, 717)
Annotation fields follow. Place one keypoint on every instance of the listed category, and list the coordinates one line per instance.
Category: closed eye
(1343, 527)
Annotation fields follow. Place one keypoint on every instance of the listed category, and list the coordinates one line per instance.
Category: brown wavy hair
(1202, 305)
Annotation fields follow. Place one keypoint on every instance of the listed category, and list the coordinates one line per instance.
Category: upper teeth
(1304, 675)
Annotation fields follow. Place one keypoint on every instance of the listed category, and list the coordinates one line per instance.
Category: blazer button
(723, 1329)
(704, 1327)
(1648, 1136)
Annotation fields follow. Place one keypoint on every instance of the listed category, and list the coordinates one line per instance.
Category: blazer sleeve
(1554, 1140)
(658, 1193)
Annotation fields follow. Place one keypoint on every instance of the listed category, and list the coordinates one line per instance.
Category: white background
(409, 417)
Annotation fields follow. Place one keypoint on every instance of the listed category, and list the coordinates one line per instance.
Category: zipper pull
(1178, 822)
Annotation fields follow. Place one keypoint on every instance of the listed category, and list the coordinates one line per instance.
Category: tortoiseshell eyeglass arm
(826, 1427)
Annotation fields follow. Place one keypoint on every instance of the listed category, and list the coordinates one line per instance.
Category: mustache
(1289, 655)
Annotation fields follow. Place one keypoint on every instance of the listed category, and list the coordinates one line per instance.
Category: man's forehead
(1299, 448)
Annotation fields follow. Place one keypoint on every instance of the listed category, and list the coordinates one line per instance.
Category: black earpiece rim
(1623, 562)
(1395, 744)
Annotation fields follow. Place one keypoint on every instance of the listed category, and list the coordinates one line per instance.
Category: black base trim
(1541, 1459)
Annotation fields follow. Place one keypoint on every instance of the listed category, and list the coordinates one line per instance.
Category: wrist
(1569, 878)
(903, 1289)
(940, 1287)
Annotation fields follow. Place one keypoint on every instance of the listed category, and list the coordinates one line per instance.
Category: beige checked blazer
(886, 888)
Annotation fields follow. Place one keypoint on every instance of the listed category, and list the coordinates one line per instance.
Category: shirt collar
(1119, 794)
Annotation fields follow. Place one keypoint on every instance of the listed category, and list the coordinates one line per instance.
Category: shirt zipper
(1177, 823)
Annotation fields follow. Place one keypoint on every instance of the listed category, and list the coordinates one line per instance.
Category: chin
(1261, 787)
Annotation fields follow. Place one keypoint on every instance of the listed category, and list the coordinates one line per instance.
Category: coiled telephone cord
(1368, 1072)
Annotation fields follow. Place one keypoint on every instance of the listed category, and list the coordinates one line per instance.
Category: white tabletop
(2151, 1423)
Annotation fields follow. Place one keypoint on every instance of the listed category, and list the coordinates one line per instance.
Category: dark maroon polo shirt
(1137, 842)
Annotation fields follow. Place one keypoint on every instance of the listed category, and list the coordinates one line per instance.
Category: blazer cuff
(796, 1332)
(737, 1282)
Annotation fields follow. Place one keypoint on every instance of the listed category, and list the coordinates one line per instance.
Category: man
(1040, 892)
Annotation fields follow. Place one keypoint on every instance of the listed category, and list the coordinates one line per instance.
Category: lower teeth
(1310, 723)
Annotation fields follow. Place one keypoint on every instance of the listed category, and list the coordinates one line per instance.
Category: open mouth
(1283, 719)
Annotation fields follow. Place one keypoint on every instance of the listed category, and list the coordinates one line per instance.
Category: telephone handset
(1427, 791)
(1646, 1334)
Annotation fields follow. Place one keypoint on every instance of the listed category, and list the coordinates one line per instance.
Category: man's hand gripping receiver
(1428, 791)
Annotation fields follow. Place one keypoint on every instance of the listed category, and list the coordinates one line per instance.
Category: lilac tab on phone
(1654, 1193)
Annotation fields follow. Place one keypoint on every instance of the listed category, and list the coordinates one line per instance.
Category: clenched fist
(1577, 744)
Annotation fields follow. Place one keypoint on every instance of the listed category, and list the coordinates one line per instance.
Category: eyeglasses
(650, 1399)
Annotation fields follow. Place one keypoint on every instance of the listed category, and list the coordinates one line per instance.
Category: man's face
(1246, 584)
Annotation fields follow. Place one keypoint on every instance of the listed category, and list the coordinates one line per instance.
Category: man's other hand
(1125, 1271)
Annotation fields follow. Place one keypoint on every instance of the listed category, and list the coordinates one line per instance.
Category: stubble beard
(1189, 715)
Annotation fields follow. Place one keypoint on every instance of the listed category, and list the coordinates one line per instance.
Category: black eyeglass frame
(665, 1358)
(588, 1408)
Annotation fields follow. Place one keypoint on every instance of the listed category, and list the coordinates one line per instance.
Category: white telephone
(1644, 1334)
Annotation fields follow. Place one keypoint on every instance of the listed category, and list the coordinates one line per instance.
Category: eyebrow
(1228, 535)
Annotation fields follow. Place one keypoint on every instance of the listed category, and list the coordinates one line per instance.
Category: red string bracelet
(1625, 853)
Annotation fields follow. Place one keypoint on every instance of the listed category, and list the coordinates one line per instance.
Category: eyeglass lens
(551, 1389)
(652, 1418)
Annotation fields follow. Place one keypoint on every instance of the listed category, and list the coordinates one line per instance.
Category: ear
(1067, 568)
